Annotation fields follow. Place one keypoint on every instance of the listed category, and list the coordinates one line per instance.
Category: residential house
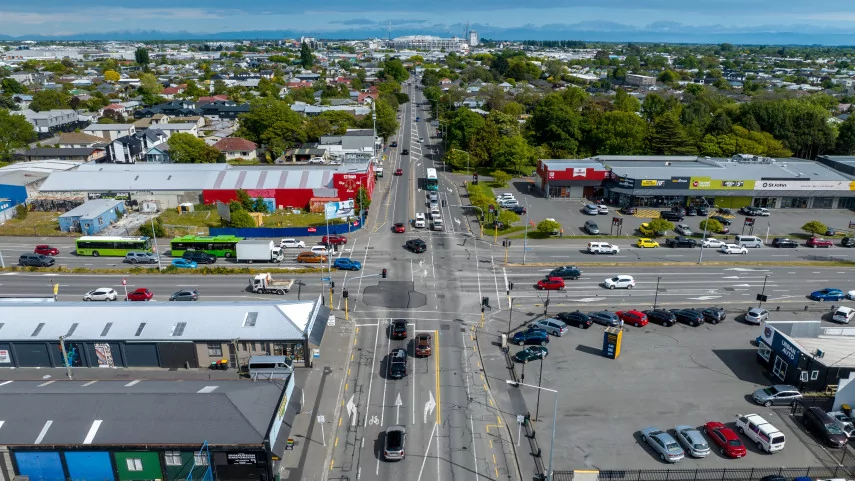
(110, 131)
(73, 140)
(184, 128)
(212, 98)
(159, 154)
(22, 100)
(171, 92)
(640, 80)
(156, 119)
(193, 119)
(50, 121)
(131, 148)
(237, 148)
(78, 154)
(118, 108)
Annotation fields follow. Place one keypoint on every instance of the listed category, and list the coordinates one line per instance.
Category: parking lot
(663, 377)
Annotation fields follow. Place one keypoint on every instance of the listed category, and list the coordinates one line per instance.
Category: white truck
(420, 220)
(256, 250)
(266, 284)
(436, 222)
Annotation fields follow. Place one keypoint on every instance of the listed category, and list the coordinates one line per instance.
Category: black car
(661, 316)
(405, 152)
(565, 272)
(199, 257)
(518, 209)
(605, 318)
(578, 319)
(671, 216)
(416, 245)
(681, 241)
(749, 210)
(847, 242)
(714, 315)
(721, 220)
(398, 363)
(688, 316)
(784, 242)
(703, 210)
(691, 211)
(399, 329)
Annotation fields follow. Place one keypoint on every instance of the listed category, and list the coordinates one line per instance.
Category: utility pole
(65, 357)
(656, 297)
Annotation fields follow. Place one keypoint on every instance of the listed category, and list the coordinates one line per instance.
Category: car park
(576, 318)
(398, 329)
(101, 294)
(691, 211)
(692, 440)
(733, 249)
(531, 337)
(645, 243)
(566, 272)
(728, 442)
(399, 228)
(714, 315)
(603, 248)
(185, 295)
(784, 242)
(712, 242)
(416, 245)
(141, 294)
(661, 317)
(756, 315)
(818, 242)
(604, 318)
(553, 327)
(688, 316)
(347, 264)
(681, 241)
(767, 437)
(334, 240)
(292, 244)
(619, 282)
(591, 227)
(531, 353)
(633, 317)
(550, 284)
(776, 395)
(702, 210)
(665, 446)
(683, 229)
(184, 264)
(721, 220)
(46, 250)
(827, 294)
(423, 347)
(602, 209)
(843, 315)
(824, 427)
(671, 216)
(311, 258)
(397, 363)
(591, 209)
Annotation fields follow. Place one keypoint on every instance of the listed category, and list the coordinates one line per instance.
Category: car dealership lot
(663, 377)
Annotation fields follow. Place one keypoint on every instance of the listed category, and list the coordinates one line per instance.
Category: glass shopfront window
(293, 350)
(846, 203)
(823, 202)
(794, 202)
(768, 202)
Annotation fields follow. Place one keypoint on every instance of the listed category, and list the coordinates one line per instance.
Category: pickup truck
(266, 284)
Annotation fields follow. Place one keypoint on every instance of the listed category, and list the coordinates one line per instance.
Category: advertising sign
(786, 350)
(705, 183)
(241, 459)
(338, 210)
(803, 185)
(652, 183)
(612, 338)
(4, 356)
(625, 182)
(579, 172)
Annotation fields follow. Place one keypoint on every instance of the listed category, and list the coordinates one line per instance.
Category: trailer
(255, 250)
(267, 284)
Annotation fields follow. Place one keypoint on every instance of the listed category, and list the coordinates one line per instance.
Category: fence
(726, 474)
(267, 232)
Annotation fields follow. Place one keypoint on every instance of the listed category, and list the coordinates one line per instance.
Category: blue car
(827, 294)
(184, 263)
(347, 264)
(531, 337)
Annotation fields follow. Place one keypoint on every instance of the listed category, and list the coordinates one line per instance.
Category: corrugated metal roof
(21, 177)
(564, 164)
(118, 181)
(273, 179)
(206, 321)
(720, 170)
(143, 167)
(93, 208)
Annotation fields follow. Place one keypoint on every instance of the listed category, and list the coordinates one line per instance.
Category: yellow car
(645, 229)
(645, 242)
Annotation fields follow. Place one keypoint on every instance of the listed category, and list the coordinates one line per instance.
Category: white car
(763, 212)
(683, 229)
(602, 209)
(505, 196)
(421, 139)
(432, 196)
(321, 250)
(619, 282)
(850, 294)
(292, 243)
(420, 220)
(101, 294)
(507, 204)
(733, 249)
(712, 242)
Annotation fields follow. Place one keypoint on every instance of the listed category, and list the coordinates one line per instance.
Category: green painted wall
(151, 468)
(733, 202)
(181, 472)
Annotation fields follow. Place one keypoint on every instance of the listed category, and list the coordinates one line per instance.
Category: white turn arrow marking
(588, 299)
(351, 411)
(429, 405)
(448, 189)
(704, 298)
(398, 403)
(731, 277)
(457, 220)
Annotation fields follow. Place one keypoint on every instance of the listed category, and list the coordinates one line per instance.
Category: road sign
(124, 282)
(520, 418)
(321, 418)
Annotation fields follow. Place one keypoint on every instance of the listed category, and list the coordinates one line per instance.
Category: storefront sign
(652, 183)
(624, 182)
(803, 185)
(786, 350)
(705, 183)
(680, 182)
(4, 356)
(241, 459)
(579, 172)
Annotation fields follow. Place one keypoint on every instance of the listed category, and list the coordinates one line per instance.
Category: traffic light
(383, 273)
(509, 242)
(504, 243)
(344, 293)
(332, 284)
(510, 286)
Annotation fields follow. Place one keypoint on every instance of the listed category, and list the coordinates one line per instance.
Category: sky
(437, 17)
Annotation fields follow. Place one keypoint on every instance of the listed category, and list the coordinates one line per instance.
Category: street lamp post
(706, 226)
(763, 292)
(554, 417)
(539, 382)
(656, 296)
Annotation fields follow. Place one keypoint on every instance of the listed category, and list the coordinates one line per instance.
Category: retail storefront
(571, 179)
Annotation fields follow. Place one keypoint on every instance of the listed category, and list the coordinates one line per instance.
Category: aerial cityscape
(244, 243)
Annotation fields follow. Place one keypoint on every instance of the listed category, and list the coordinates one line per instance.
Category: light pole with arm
(554, 417)
(706, 226)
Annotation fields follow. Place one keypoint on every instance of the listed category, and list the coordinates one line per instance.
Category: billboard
(804, 185)
(705, 183)
(338, 210)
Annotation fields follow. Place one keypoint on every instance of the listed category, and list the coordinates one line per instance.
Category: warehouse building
(168, 335)
(144, 430)
(93, 216)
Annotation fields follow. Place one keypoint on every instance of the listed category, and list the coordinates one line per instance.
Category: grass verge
(39, 224)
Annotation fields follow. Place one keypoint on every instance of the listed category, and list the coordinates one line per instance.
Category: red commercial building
(571, 178)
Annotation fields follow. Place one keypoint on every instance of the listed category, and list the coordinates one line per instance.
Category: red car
(550, 284)
(141, 294)
(335, 240)
(399, 171)
(819, 242)
(399, 227)
(727, 440)
(46, 250)
(633, 317)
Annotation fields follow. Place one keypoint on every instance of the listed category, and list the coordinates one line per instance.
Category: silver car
(591, 209)
(663, 443)
(693, 441)
(781, 394)
(756, 315)
(553, 327)
(101, 294)
(846, 423)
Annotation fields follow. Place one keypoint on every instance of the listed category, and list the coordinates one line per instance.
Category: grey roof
(119, 181)
(102, 127)
(157, 321)
(843, 159)
(93, 208)
(54, 152)
(95, 167)
(564, 164)
(47, 166)
(134, 413)
(21, 177)
(359, 133)
(719, 169)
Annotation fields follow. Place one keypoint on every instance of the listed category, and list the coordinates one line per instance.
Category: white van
(420, 220)
(270, 367)
(748, 241)
(843, 314)
(757, 429)
(602, 248)
(322, 250)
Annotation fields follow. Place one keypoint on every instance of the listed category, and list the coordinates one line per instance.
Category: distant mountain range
(603, 31)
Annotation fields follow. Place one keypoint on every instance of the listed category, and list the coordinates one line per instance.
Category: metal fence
(732, 474)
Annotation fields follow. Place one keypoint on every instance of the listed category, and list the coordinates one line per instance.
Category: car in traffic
(394, 443)
(756, 315)
(531, 353)
(420, 220)
(101, 294)
(140, 294)
(644, 243)
(692, 440)
(575, 318)
(721, 220)
(818, 242)
(323, 250)
(553, 327)
(46, 250)
(423, 347)
(311, 258)
(733, 249)
(550, 284)
(334, 240)
(645, 229)
(399, 228)
(416, 245)
(604, 318)
(688, 316)
(776, 395)
(184, 264)
(405, 152)
(712, 242)
(681, 241)
(590, 209)
(784, 242)
(591, 227)
(397, 363)
(531, 337)
(603, 248)
(566, 272)
(619, 282)
(633, 317)
(35, 260)
(292, 244)
(347, 264)
(185, 295)
(141, 257)
(726, 439)
(683, 229)
(827, 294)
(661, 317)
(398, 329)
(199, 257)
(665, 446)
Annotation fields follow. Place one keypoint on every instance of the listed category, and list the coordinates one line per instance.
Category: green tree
(362, 201)
(815, 227)
(845, 144)
(12, 86)
(307, 59)
(800, 124)
(15, 133)
(189, 149)
(394, 69)
(557, 124)
(220, 87)
(49, 100)
(668, 76)
(625, 102)
(21, 211)
(668, 137)
(548, 226)
(711, 225)
(141, 56)
(272, 123)
(508, 217)
(387, 123)
(240, 218)
(244, 201)
(149, 84)
(158, 231)
(258, 205)
(463, 127)
(511, 152)
(619, 133)
(660, 225)
(501, 177)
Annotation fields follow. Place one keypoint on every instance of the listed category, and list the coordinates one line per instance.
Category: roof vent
(169, 178)
(71, 329)
(106, 329)
(667, 163)
(137, 178)
(178, 329)
(249, 320)
(140, 329)
(38, 329)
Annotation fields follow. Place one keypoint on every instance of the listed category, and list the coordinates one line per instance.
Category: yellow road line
(336, 445)
(345, 388)
(491, 402)
(436, 362)
(497, 473)
(332, 462)
(494, 454)
(491, 447)
(348, 371)
(339, 425)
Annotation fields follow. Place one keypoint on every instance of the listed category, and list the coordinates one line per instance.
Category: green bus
(220, 246)
(113, 246)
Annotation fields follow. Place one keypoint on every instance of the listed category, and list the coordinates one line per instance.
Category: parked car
(591, 227)
(827, 294)
(703, 210)
(733, 249)
(824, 427)
(661, 316)
(602, 209)
(712, 242)
(688, 316)
(101, 294)
(714, 315)
(664, 444)
(628, 210)
(531, 353)
(185, 295)
(550, 284)
(399, 228)
(691, 211)
(46, 250)
(141, 294)
(756, 315)
(423, 347)
(590, 209)
(846, 423)
(721, 220)
(347, 264)
(619, 282)
(818, 242)
(633, 317)
(35, 260)
(184, 264)
(553, 327)
(726, 439)
(605, 318)
(681, 241)
(671, 216)
(311, 258)
(749, 211)
(778, 394)
(645, 243)
(292, 243)
(518, 209)
(578, 319)
(398, 329)
(531, 337)
(566, 272)
(692, 440)
(683, 229)
(784, 242)
(416, 245)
